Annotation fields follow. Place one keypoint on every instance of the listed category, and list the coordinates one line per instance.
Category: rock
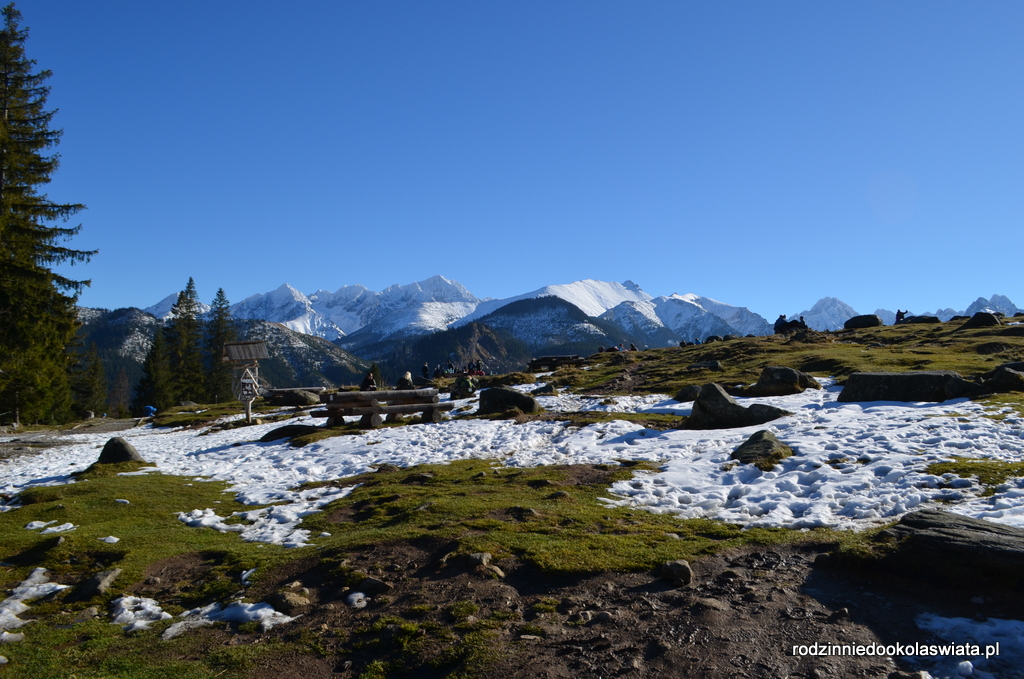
(713, 338)
(982, 319)
(356, 600)
(293, 397)
(373, 586)
(948, 545)
(547, 389)
(1005, 379)
(780, 381)
(288, 602)
(492, 570)
(87, 614)
(289, 431)
(763, 450)
(730, 337)
(479, 559)
(500, 399)
(118, 450)
(96, 585)
(688, 393)
(9, 638)
(922, 319)
(708, 604)
(706, 365)
(677, 572)
(865, 321)
(715, 409)
(957, 387)
(905, 386)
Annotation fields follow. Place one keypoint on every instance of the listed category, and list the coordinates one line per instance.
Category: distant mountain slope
(590, 296)
(123, 338)
(828, 313)
(552, 325)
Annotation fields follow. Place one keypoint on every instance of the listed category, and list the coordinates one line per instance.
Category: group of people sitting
(621, 347)
(472, 368)
(782, 326)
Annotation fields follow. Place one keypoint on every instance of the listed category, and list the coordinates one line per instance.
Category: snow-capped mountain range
(354, 316)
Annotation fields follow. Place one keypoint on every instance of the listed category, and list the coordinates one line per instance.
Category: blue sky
(764, 154)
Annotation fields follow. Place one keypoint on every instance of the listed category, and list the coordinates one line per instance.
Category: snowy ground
(855, 465)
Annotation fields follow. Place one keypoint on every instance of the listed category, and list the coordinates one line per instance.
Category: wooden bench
(546, 363)
(372, 406)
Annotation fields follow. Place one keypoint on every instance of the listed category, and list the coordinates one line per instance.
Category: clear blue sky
(765, 154)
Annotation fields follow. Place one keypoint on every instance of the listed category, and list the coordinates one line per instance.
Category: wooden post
(248, 411)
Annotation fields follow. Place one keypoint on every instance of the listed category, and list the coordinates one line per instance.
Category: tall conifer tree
(89, 384)
(220, 328)
(184, 344)
(155, 388)
(37, 305)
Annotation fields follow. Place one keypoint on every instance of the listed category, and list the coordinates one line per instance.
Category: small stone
(479, 559)
(356, 600)
(677, 571)
(87, 614)
(98, 584)
(8, 638)
(288, 602)
(153, 580)
(841, 614)
(373, 586)
(493, 570)
(529, 637)
(119, 450)
(603, 616)
(3, 660)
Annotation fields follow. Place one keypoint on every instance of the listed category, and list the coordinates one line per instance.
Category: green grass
(891, 348)
(989, 473)
(536, 514)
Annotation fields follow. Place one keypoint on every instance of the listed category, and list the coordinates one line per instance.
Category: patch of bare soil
(740, 617)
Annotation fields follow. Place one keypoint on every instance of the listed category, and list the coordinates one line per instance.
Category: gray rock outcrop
(864, 321)
(501, 399)
(780, 381)
(763, 450)
(911, 386)
(688, 393)
(715, 409)
(118, 450)
(943, 543)
(922, 319)
(982, 319)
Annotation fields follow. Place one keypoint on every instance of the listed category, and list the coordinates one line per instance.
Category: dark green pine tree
(220, 328)
(184, 346)
(155, 388)
(120, 395)
(89, 384)
(37, 306)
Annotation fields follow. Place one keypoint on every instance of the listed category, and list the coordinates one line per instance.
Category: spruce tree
(37, 306)
(155, 388)
(220, 328)
(90, 384)
(120, 395)
(184, 345)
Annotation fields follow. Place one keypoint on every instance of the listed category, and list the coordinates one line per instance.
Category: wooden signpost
(245, 357)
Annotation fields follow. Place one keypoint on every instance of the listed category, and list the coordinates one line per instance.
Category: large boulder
(945, 544)
(865, 321)
(777, 380)
(922, 319)
(982, 319)
(763, 450)
(715, 409)
(1005, 379)
(688, 393)
(118, 450)
(500, 399)
(906, 386)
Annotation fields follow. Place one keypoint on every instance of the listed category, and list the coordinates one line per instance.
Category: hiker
(632, 347)
(405, 382)
(426, 371)
(901, 315)
(781, 324)
(464, 387)
(368, 383)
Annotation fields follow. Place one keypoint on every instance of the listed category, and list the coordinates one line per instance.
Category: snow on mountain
(549, 321)
(592, 297)
(162, 309)
(998, 303)
(688, 319)
(828, 313)
(290, 308)
(742, 320)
